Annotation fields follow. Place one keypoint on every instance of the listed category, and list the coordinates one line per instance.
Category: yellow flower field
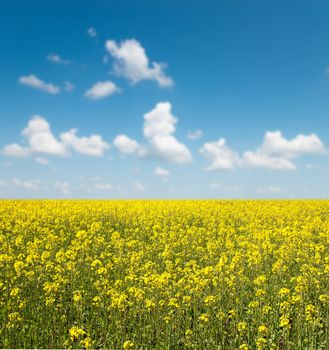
(164, 274)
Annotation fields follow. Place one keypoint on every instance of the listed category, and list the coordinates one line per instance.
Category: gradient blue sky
(240, 69)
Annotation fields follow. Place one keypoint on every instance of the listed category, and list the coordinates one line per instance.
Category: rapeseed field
(164, 274)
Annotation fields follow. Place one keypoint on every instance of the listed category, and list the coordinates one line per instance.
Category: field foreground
(164, 274)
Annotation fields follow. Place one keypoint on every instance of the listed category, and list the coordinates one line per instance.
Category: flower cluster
(164, 274)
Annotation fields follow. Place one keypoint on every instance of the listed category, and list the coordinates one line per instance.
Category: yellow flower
(188, 333)
(14, 292)
(77, 296)
(76, 332)
(283, 292)
(284, 322)
(128, 344)
(204, 318)
(242, 326)
(260, 292)
(324, 298)
(262, 329)
(260, 280)
(261, 343)
(209, 300)
(87, 343)
(97, 299)
(244, 346)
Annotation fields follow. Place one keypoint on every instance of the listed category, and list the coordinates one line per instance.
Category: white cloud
(276, 152)
(103, 186)
(275, 144)
(132, 63)
(27, 185)
(269, 190)
(40, 141)
(40, 138)
(93, 145)
(139, 187)
(194, 135)
(63, 187)
(101, 90)
(259, 159)
(161, 172)
(219, 155)
(92, 32)
(2, 183)
(36, 83)
(159, 125)
(69, 87)
(56, 58)
(41, 160)
(16, 150)
(125, 144)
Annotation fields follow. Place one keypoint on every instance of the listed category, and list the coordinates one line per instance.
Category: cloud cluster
(132, 63)
(36, 83)
(41, 141)
(27, 184)
(276, 152)
(92, 145)
(220, 155)
(161, 144)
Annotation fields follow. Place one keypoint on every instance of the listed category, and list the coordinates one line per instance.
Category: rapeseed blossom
(164, 274)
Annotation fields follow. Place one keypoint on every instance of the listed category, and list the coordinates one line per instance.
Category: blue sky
(144, 99)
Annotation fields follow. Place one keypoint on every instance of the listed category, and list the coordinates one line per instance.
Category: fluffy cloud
(132, 63)
(57, 59)
(63, 187)
(161, 172)
(276, 152)
(259, 159)
(101, 90)
(16, 150)
(36, 83)
(93, 145)
(159, 126)
(274, 143)
(125, 144)
(40, 140)
(27, 185)
(194, 135)
(219, 155)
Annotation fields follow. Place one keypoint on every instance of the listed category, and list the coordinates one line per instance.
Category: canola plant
(164, 274)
